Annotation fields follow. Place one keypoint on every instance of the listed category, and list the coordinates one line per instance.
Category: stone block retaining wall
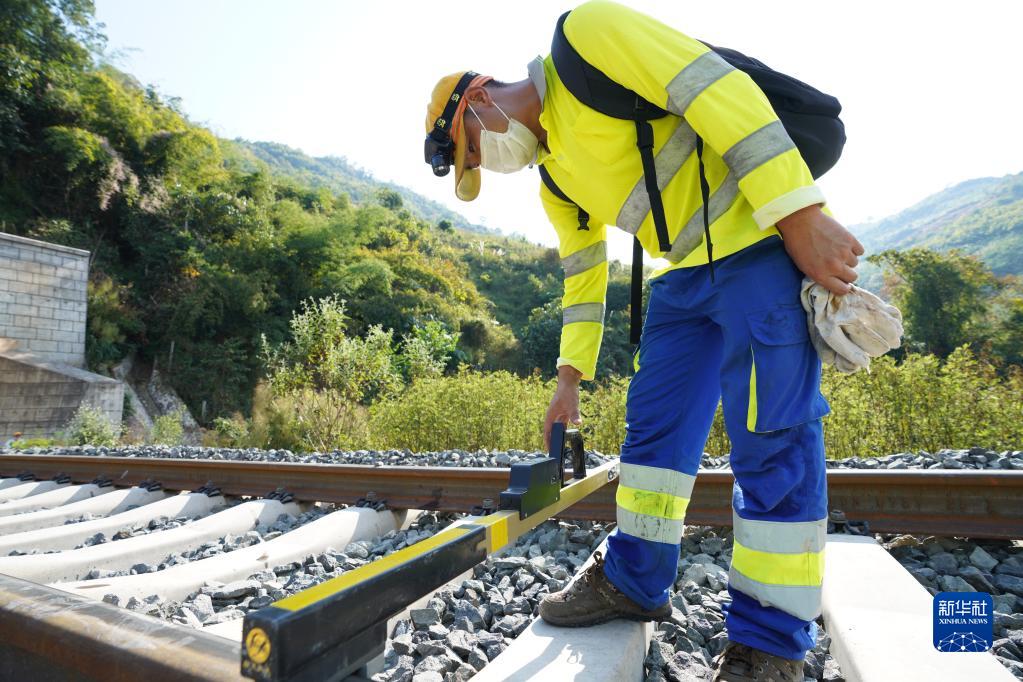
(42, 298)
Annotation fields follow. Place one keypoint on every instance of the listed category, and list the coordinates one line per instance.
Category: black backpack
(809, 116)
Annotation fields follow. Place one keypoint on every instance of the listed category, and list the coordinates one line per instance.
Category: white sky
(931, 91)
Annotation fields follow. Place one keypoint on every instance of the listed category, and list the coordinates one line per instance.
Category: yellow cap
(467, 180)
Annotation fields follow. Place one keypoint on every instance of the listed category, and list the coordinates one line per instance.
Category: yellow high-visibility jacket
(756, 174)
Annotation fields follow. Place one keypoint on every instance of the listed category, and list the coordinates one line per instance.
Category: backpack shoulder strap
(592, 87)
(584, 217)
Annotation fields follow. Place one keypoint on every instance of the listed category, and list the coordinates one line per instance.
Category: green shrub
(417, 361)
(468, 411)
(26, 443)
(921, 404)
(603, 412)
(90, 426)
(305, 420)
(167, 429)
(426, 351)
(229, 432)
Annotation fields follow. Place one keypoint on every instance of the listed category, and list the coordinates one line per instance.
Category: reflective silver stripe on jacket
(699, 75)
(691, 235)
(583, 312)
(679, 147)
(758, 148)
(780, 537)
(653, 528)
(584, 259)
(801, 601)
(656, 479)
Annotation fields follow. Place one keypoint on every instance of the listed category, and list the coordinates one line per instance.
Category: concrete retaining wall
(42, 298)
(42, 340)
(38, 398)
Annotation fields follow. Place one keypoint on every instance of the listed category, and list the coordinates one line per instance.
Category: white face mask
(509, 151)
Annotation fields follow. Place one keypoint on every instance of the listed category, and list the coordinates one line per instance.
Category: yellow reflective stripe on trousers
(780, 564)
(751, 408)
(801, 601)
(803, 568)
(780, 537)
(656, 479)
(653, 528)
(655, 515)
(651, 503)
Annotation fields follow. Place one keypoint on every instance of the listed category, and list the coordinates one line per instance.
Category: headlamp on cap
(439, 154)
(439, 149)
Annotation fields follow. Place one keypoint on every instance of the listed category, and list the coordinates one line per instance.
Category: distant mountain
(338, 175)
(983, 217)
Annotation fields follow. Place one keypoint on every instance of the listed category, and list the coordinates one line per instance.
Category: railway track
(983, 504)
(52, 619)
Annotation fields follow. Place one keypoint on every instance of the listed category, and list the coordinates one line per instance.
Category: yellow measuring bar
(335, 625)
(502, 528)
(315, 593)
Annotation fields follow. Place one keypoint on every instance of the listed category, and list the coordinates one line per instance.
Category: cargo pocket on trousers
(785, 371)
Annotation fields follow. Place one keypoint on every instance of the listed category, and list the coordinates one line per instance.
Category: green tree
(1007, 336)
(944, 297)
(541, 339)
(110, 322)
(45, 44)
(388, 198)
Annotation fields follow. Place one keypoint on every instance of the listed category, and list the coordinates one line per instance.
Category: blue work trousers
(743, 340)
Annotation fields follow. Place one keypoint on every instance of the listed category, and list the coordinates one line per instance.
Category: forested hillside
(212, 245)
(981, 217)
(341, 177)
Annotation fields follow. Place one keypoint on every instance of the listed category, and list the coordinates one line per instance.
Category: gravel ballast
(464, 627)
(973, 458)
(958, 565)
(217, 602)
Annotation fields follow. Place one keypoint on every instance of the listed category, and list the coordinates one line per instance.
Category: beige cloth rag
(849, 330)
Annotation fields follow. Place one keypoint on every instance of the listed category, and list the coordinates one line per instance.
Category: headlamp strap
(442, 125)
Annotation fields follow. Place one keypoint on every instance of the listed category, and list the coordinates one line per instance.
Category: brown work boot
(741, 663)
(592, 599)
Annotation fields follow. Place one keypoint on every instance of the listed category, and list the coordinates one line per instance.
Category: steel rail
(49, 635)
(964, 503)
